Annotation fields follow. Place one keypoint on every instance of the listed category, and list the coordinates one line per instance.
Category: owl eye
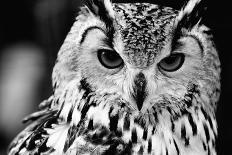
(109, 59)
(172, 63)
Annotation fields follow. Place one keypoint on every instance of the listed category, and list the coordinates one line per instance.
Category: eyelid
(104, 45)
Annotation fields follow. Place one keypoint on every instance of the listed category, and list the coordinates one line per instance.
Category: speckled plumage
(145, 29)
(136, 108)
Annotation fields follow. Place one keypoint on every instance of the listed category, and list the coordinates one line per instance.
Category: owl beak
(139, 90)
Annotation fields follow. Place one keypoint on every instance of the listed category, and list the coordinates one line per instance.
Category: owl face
(147, 57)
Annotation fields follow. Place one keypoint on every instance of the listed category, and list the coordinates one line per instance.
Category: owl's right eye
(109, 58)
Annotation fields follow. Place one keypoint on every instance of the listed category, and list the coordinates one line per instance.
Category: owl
(130, 78)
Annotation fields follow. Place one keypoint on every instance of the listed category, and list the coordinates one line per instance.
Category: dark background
(40, 28)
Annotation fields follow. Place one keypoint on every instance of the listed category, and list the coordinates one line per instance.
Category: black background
(17, 23)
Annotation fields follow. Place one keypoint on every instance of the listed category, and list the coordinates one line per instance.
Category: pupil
(171, 59)
(110, 56)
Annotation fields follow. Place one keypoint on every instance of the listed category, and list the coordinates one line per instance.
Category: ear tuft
(190, 14)
(101, 8)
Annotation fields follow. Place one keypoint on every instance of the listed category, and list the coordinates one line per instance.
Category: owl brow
(88, 30)
(176, 44)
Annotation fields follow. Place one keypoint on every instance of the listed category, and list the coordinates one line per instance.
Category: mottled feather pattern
(136, 108)
(144, 26)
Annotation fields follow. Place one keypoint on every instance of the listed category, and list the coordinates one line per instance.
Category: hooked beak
(139, 90)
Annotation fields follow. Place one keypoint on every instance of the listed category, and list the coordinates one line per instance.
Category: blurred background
(31, 33)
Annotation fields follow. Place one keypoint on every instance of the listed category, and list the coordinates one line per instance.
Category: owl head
(149, 59)
(130, 78)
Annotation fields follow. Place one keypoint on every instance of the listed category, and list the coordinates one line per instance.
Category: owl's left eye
(109, 58)
(172, 63)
